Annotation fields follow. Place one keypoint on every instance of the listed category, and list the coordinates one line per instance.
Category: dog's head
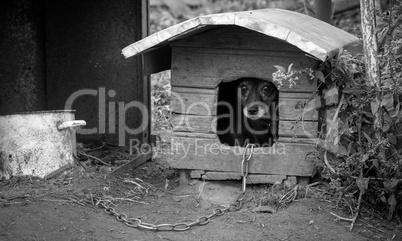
(258, 98)
(259, 102)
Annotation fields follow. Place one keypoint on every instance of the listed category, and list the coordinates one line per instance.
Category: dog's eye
(266, 89)
(243, 88)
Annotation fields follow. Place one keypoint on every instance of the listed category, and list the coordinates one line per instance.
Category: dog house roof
(309, 34)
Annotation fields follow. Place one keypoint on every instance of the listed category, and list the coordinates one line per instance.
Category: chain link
(203, 220)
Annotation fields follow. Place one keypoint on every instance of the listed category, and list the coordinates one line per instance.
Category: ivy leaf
(365, 157)
(280, 68)
(383, 198)
(336, 140)
(290, 68)
(386, 83)
(375, 163)
(339, 67)
(352, 91)
(368, 138)
(386, 127)
(392, 138)
(391, 184)
(388, 101)
(375, 105)
(396, 111)
(350, 148)
(362, 184)
(319, 75)
(342, 150)
(352, 68)
(332, 92)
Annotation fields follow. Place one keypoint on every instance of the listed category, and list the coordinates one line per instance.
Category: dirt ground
(62, 208)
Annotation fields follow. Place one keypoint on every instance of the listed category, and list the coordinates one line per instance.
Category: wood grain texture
(203, 67)
(197, 173)
(194, 101)
(199, 101)
(215, 136)
(194, 123)
(291, 106)
(207, 124)
(309, 34)
(209, 154)
(235, 37)
(251, 179)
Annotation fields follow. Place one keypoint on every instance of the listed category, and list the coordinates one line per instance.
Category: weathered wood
(138, 161)
(197, 173)
(194, 101)
(215, 136)
(251, 179)
(193, 90)
(207, 124)
(291, 106)
(199, 101)
(222, 176)
(194, 135)
(301, 129)
(299, 140)
(311, 35)
(235, 37)
(206, 68)
(209, 154)
(194, 123)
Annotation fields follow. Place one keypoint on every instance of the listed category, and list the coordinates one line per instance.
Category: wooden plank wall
(200, 63)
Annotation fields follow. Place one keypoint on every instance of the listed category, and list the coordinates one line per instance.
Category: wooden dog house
(205, 51)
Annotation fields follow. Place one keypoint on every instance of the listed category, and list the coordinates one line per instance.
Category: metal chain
(203, 220)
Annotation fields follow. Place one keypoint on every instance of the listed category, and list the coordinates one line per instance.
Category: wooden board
(208, 154)
(251, 179)
(207, 124)
(214, 136)
(291, 106)
(194, 123)
(302, 129)
(199, 101)
(309, 34)
(203, 67)
(134, 163)
(194, 101)
(235, 37)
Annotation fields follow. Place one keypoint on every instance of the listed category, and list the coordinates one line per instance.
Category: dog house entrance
(248, 112)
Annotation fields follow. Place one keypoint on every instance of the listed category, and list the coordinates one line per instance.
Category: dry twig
(95, 158)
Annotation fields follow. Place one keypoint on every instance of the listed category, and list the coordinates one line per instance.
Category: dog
(255, 115)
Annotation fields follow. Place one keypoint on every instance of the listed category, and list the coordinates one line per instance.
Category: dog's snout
(252, 110)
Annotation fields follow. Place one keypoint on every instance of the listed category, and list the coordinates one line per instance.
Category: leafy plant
(367, 151)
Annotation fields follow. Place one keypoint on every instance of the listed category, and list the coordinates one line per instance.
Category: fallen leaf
(392, 204)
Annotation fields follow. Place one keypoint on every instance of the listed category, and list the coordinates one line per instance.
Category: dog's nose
(253, 110)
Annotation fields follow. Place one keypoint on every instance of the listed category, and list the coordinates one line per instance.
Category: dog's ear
(274, 109)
